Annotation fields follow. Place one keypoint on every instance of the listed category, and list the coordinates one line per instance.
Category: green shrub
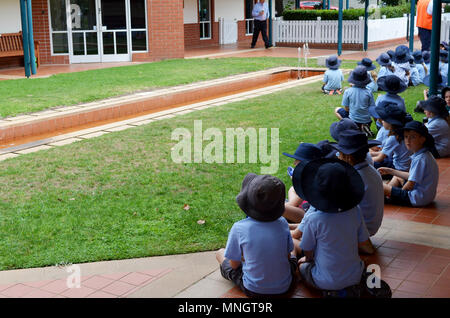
(395, 12)
(350, 14)
(447, 8)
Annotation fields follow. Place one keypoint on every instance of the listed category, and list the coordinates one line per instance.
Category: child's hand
(383, 171)
(302, 260)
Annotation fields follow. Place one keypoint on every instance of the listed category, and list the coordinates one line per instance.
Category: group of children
(337, 197)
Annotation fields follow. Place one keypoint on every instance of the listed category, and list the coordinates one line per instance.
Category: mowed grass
(32, 95)
(121, 196)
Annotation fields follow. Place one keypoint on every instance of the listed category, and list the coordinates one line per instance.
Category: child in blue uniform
(260, 257)
(401, 63)
(443, 66)
(393, 120)
(333, 77)
(333, 227)
(353, 148)
(367, 63)
(416, 187)
(420, 64)
(357, 100)
(414, 78)
(436, 112)
(386, 67)
(426, 60)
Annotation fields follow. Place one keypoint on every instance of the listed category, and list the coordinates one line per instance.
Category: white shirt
(258, 7)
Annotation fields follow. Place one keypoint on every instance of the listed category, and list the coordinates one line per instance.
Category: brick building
(83, 31)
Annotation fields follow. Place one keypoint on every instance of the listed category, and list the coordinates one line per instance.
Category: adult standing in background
(424, 22)
(260, 15)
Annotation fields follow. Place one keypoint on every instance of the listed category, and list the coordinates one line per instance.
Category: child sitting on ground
(294, 208)
(422, 178)
(260, 257)
(357, 100)
(393, 120)
(386, 67)
(333, 77)
(420, 64)
(401, 63)
(367, 63)
(353, 148)
(443, 66)
(437, 124)
(333, 227)
(414, 78)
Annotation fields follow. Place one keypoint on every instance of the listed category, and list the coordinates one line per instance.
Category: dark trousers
(260, 26)
(425, 38)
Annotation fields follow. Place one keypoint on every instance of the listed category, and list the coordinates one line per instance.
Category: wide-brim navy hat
(350, 141)
(330, 185)
(426, 56)
(418, 58)
(391, 84)
(384, 59)
(333, 62)
(327, 150)
(305, 152)
(338, 126)
(391, 113)
(262, 197)
(359, 76)
(436, 105)
(443, 56)
(391, 54)
(367, 63)
(401, 54)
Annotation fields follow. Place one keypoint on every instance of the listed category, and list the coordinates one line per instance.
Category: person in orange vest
(424, 22)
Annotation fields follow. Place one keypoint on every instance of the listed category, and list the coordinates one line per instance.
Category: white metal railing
(318, 31)
(249, 26)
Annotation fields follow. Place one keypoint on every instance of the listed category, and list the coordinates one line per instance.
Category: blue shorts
(399, 197)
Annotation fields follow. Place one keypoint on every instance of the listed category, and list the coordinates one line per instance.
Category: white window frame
(202, 23)
(50, 31)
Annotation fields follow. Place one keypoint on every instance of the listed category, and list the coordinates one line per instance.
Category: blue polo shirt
(415, 76)
(384, 71)
(400, 71)
(421, 71)
(257, 8)
(443, 69)
(265, 247)
(358, 100)
(439, 129)
(333, 79)
(399, 153)
(372, 204)
(425, 173)
(393, 98)
(334, 238)
(382, 135)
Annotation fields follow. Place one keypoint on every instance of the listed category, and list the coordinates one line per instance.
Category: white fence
(228, 31)
(445, 27)
(317, 31)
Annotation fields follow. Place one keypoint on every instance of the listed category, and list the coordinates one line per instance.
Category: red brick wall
(192, 35)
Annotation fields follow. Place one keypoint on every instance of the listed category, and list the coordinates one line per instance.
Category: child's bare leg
(293, 198)
(220, 255)
(293, 226)
(396, 182)
(337, 113)
(297, 247)
(387, 190)
(293, 214)
(366, 247)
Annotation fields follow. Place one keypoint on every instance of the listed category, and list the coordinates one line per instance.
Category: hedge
(350, 14)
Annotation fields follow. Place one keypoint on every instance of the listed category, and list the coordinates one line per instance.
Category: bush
(395, 12)
(447, 8)
(350, 14)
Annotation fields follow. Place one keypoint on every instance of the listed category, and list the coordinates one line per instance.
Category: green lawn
(120, 195)
(32, 95)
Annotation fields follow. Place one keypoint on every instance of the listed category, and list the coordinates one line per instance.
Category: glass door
(114, 30)
(83, 31)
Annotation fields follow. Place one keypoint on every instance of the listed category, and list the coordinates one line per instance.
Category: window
(204, 13)
(138, 25)
(58, 27)
(249, 17)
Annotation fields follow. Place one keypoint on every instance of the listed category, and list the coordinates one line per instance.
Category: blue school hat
(391, 113)
(418, 58)
(426, 56)
(440, 84)
(359, 76)
(327, 150)
(443, 56)
(333, 62)
(391, 84)
(411, 61)
(367, 63)
(338, 126)
(401, 54)
(391, 54)
(328, 184)
(436, 105)
(350, 141)
(384, 59)
(262, 197)
(305, 152)
(445, 45)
